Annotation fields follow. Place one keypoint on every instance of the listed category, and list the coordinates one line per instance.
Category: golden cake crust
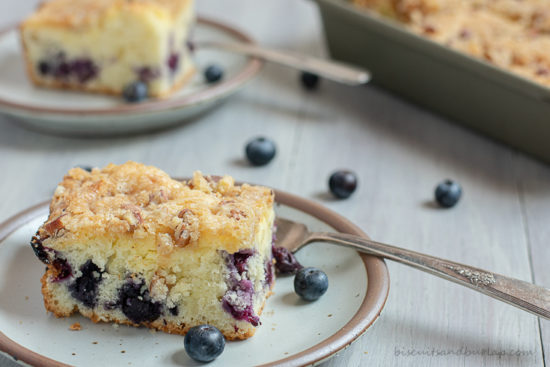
(140, 202)
(82, 13)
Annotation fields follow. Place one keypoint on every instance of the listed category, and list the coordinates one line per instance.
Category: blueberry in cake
(104, 45)
(130, 245)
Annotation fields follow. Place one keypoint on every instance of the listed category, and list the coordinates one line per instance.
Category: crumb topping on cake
(78, 13)
(143, 202)
(511, 34)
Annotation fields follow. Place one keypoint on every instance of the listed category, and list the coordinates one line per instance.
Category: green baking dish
(491, 100)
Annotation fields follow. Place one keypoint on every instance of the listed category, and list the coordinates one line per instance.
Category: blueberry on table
(85, 168)
(342, 183)
(135, 92)
(310, 283)
(447, 193)
(260, 151)
(204, 343)
(309, 80)
(213, 73)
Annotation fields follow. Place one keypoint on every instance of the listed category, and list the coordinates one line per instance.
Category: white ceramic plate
(75, 113)
(293, 332)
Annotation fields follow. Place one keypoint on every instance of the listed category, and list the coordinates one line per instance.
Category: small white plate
(75, 113)
(293, 332)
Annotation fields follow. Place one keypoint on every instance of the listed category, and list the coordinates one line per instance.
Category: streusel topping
(141, 202)
(77, 13)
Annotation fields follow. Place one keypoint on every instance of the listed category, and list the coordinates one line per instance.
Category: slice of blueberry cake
(105, 45)
(130, 245)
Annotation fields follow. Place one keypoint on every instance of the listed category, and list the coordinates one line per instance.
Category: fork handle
(527, 296)
(329, 69)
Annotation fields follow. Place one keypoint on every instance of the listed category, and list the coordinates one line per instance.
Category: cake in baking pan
(105, 45)
(511, 34)
(128, 244)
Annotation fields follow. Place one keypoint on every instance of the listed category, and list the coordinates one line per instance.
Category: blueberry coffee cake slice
(105, 45)
(130, 245)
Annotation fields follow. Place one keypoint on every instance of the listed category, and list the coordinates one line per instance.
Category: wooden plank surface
(399, 152)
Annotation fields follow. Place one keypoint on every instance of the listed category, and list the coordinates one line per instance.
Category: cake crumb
(122, 351)
(273, 328)
(329, 315)
(75, 327)
(94, 342)
(20, 322)
(74, 354)
(286, 353)
(26, 298)
(366, 352)
(115, 326)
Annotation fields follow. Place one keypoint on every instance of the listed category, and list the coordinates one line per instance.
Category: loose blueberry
(135, 92)
(309, 80)
(204, 343)
(260, 151)
(342, 184)
(447, 193)
(285, 261)
(310, 283)
(213, 73)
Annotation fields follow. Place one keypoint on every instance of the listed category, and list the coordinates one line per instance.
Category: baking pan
(472, 92)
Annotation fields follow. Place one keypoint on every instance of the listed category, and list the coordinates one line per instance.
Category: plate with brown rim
(85, 114)
(293, 332)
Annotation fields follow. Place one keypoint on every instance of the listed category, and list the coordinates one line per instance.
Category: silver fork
(529, 297)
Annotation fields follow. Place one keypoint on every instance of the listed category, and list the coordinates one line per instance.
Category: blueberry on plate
(310, 283)
(213, 73)
(260, 151)
(342, 183)
(447, 193)
(135, 92)
(204, 343)
(309, 80)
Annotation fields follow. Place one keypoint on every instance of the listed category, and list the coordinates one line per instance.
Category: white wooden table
(399, 152)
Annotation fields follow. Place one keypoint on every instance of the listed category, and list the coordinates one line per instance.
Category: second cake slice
(104, 45)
